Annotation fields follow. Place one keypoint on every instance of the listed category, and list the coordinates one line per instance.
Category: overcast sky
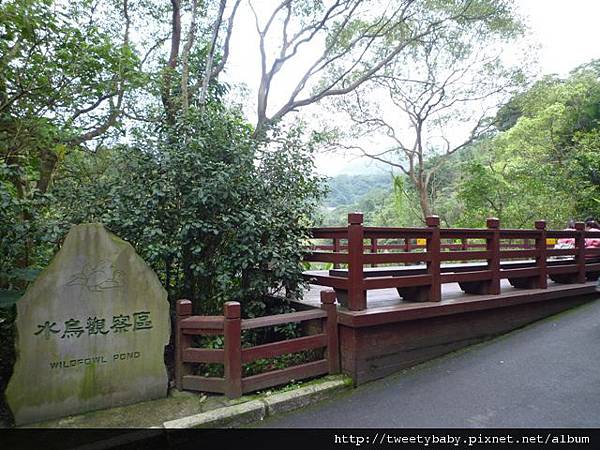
(566, 31)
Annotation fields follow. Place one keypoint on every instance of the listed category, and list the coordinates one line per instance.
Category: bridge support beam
(376, 344)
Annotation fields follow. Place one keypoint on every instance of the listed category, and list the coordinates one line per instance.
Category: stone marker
(91, 331)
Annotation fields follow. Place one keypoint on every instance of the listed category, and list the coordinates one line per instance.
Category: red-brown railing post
(493, 246)
(357, 299)
(540, 260)
(373, 248)
(407, 248)
(337, 247)
(232, 331)
(580, 246)
(331, 328)
(433, 265)
(183, 310)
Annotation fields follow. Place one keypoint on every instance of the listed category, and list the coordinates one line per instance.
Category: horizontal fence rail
(233, 356)
(426, 258)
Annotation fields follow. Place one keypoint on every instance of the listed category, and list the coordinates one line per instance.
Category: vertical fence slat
(337, 247)
(433, 265)
(331, 328)
(580, 258)
(183, 310)
(540, 260)
(357, 300)
(373, 248)
(493, 246)
(233, 349)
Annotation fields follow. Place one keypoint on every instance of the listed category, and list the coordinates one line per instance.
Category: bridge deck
(451, 293)
(392, 334)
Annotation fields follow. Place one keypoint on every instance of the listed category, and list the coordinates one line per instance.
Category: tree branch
(211, 54)
(185, 59)
(167, 100)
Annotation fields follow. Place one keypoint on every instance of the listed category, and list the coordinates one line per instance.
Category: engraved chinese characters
(91, 331)
(93, 325)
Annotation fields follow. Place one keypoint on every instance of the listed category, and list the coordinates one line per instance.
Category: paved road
(544, 375)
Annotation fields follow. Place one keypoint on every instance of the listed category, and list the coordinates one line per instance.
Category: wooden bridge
(405, 295)
(410, 294)
(521, 256)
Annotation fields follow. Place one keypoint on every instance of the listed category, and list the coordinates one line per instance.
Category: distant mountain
(349, 189)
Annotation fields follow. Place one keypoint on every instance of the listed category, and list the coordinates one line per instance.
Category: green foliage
(544, 164)
(62, 76)
(214, 216)
(27, 231)
(511, 194)
(54, 68)
(281, 362)
(584, 167)
(8, 314)
(348, 189)
(218, 214)
(251, 338)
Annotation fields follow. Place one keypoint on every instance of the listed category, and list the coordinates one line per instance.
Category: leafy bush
(215, 216)
(28, 231)
(7, 358)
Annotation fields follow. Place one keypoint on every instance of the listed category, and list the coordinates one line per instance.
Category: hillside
(349, 189)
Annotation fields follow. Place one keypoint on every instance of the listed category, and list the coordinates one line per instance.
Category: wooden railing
(480, 269)
(375, 245)
(233, 356)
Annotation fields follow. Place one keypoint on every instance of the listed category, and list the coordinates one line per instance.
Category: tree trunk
(188, 274)
(166, 94)
(48, 162)
(424, 202)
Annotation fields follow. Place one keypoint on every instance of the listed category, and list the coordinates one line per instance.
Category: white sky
(566, 31)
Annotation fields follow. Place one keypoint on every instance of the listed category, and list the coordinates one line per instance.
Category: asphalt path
(544, 375)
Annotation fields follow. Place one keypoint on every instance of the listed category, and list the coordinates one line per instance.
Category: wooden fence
(479, 270)
(234, 355)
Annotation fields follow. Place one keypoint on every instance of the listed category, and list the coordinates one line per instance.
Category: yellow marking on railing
(551, 241)
(421, 241)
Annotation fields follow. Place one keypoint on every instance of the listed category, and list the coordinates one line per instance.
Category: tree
(435, 99)
(508, 190)
(63, 82)
(354, 39)
(218, 216)
(215, 220)
(176, 99)
(545, 164)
